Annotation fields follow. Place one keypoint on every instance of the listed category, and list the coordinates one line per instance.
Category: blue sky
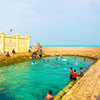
(53, 22)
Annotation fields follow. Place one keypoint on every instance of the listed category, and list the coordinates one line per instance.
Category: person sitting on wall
(40, 48)
(34, 54)
(8, 55)
(29, 50)
(13, 51)
(49, 95)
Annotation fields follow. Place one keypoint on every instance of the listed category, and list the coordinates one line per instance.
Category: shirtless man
(71, 73)
(49, 95)
(82, 72)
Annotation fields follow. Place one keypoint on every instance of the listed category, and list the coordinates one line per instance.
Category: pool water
(27, 81)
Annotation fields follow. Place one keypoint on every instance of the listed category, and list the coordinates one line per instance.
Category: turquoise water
(25, 80)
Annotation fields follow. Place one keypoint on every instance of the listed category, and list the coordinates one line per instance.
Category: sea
(69, 46)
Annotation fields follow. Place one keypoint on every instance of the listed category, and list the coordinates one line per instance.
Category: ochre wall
(8, 43)
(23, 44)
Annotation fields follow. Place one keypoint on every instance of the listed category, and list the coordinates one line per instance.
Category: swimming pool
(33, 81)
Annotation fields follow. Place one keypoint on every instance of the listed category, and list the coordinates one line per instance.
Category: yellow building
(16, 42)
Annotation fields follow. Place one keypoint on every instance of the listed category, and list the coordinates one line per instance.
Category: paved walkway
(88, 87)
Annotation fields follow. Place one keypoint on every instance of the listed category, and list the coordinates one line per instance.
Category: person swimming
(58, 64)
(84, 59)
(34, 63)
(47, 60)
(58, 58)
(70, 63)
(43, 60)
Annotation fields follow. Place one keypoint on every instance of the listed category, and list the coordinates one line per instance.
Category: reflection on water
(32, 81)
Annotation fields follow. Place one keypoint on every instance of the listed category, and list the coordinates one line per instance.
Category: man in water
(58, 64)
(47, 60)
(71, 73)
(43, 60)
(70, 64)
(33, 62)
(49, 95)
(82, 72)
(84, 59)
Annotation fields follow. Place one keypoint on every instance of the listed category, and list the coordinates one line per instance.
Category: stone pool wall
(14, 58)
(88, 87)
(51, 51)
(76, 51)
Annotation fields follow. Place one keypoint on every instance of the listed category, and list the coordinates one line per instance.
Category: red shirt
(75, 75)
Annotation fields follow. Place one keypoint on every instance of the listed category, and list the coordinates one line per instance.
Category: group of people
(73, 74)
(8, 55)
(45, 61)
(36, 54)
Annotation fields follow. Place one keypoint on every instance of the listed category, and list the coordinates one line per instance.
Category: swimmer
(43, 60)
(70, 63)
(75, 58)
(57, 58)
(49, 95)
(33, 63)
(47, 60)
(58, 64)
(84, 59)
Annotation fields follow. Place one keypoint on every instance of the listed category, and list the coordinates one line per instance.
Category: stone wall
(8, 43)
